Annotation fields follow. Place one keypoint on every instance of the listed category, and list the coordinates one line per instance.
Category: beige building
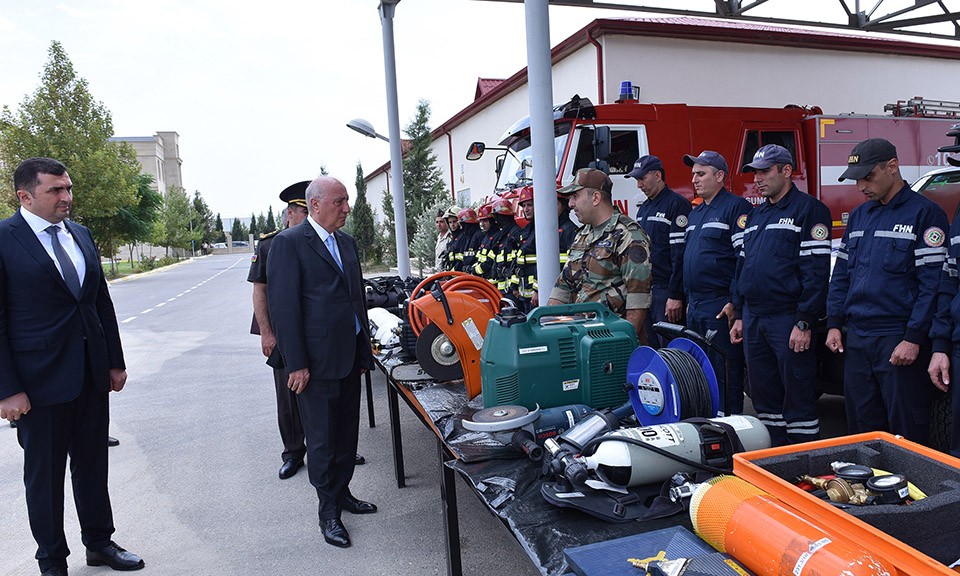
(697, 62)
(159, 156)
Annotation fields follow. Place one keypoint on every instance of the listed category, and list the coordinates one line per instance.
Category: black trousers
(48, 435)
(330, 411)
(288, 419)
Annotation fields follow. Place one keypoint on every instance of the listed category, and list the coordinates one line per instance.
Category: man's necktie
(332, 247)
(331, 243)
(66, 264)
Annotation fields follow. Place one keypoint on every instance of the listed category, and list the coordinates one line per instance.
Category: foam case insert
(929, 525)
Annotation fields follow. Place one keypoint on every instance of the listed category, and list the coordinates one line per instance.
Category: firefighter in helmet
(470, 238)
(509, 239)
(523, 282)
(486, 254)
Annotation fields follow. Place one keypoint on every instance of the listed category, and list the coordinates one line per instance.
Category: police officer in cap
(884, 291)
(663, 216)
(781, 281)
(288, 413)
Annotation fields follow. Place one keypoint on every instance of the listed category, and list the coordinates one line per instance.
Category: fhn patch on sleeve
(934, 236)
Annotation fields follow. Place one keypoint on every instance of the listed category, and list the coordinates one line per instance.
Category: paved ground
(194, 482)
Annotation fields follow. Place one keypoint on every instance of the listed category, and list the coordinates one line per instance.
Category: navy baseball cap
(644, 165)
(865, 156)
(767, 156)
(707, 158)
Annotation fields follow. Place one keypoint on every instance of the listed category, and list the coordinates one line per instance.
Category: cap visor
(690, 160)
(855, 172)
(568, 190)
(954, 161)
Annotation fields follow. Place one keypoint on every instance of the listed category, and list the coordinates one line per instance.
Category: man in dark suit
(317, 306)
(60, 357)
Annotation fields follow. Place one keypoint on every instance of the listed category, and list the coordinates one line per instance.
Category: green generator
(555, 356)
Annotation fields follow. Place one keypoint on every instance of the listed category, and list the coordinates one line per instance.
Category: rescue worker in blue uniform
(945, 332)
(663, 216)
(884, 290)
(713, 240)
(782, 277)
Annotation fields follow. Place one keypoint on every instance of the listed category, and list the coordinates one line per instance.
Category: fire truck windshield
(518, 165)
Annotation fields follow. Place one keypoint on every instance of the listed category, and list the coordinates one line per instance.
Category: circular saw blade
(437, 355)
(498, 418)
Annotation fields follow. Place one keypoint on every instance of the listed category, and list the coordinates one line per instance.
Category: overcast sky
(260, 92)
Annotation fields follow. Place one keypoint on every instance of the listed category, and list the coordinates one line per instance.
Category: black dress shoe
(290, 468)
(114, 557)
(111, 441)
(334, 533)
(357, 506)
(359, 460)
(55, 571)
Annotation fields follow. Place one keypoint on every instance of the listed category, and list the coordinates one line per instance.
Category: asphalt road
(194, 481)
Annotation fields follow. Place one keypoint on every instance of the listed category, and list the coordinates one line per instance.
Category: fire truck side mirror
(601, 148)
(475, 152)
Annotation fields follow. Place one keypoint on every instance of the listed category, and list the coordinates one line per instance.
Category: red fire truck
(621, 132)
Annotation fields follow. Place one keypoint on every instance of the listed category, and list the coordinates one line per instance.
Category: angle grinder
(526, 429)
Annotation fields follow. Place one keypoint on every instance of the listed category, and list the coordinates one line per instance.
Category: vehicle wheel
(941, 421)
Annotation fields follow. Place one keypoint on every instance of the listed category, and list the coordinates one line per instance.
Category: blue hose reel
(665, 385)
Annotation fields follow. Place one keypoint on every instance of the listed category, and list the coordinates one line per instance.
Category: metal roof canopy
(896, 21)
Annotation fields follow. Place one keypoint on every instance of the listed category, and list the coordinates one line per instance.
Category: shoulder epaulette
(269, 234)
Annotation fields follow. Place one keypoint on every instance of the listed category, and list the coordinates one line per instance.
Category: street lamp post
(387, 9)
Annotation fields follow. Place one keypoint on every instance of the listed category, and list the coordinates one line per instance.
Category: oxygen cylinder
(627, 465)
(738, 518)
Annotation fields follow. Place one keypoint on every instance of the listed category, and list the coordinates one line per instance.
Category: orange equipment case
(893, 531)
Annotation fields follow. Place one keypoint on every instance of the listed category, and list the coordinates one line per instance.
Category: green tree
(62, 120)
(279, 221)
(218, 226)
(422, 180)
(131, 224)
(253, 225)
(137, 221)
(362, 226)
(423, 246)
(269, 223)
(238, 230)
(203, 220)
(172, 229)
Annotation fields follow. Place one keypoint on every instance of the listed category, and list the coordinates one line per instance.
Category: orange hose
(484, 292)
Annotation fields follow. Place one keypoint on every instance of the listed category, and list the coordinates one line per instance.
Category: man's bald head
(328, 202)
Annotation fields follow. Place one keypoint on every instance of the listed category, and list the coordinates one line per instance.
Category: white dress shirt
(39, 227)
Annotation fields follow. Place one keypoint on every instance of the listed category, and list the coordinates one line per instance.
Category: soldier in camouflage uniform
(609, 259)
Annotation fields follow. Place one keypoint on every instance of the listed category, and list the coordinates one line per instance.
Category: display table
(542, 530)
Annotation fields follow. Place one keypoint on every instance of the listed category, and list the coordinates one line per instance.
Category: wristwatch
(803, 325)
